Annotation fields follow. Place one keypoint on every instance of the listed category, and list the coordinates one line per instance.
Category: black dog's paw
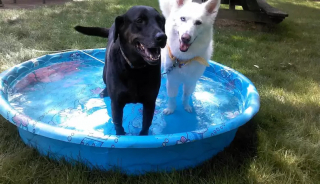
(120, 130)
(144, 132)
(104, 93)
(120, 133)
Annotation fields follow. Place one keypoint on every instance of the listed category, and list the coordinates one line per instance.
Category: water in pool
(67, 95)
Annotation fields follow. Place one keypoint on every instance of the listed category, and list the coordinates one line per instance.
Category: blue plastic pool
(54, 101)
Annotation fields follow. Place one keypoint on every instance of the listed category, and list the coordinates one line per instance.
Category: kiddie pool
(54, 101)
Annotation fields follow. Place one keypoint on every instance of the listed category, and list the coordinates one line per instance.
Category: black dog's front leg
(117, 114)
(104, 93)
(148, 111)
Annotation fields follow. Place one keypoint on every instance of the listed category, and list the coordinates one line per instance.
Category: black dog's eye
(198, 22)
(183, 19)
(139, 20)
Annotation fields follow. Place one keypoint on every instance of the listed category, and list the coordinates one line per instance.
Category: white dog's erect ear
(180, 2)
(167, 6)
(212, 6)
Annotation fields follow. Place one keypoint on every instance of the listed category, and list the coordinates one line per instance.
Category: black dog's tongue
(184, 47)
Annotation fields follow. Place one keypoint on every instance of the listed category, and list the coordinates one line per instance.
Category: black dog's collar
(128, 61)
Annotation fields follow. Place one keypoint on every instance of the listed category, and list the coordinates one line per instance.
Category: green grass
(281, 144)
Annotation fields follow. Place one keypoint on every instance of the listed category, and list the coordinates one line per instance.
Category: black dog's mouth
(148, 54)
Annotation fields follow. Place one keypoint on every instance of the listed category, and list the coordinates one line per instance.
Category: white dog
(189, 28)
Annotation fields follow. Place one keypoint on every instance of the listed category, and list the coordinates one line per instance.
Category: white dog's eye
(198, 22)
(183, 19)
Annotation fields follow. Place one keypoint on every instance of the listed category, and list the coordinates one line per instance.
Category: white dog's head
(190, 19)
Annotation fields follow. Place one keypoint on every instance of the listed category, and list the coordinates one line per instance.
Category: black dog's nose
(185, 38)
(161, 37)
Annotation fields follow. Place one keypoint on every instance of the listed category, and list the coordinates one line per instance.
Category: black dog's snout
(185, 38)
(161, 37)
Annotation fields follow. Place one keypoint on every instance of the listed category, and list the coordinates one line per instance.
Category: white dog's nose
(185, 38)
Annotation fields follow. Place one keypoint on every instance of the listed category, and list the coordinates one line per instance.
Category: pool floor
(67, 95)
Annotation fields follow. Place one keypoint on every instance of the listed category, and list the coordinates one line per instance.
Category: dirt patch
(28, 4)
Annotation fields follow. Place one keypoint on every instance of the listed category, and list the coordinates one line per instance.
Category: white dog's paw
(168, 111)
(188, 108)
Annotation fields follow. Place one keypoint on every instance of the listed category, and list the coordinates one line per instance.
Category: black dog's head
(141, 29)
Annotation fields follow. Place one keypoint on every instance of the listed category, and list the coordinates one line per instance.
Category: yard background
(279, 145)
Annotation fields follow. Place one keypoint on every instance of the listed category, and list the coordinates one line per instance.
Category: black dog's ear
(117, 25)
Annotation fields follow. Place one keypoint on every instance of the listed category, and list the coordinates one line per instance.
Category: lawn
(281, 144)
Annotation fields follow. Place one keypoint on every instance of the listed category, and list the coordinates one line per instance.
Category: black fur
(140, 83)
(93, 31)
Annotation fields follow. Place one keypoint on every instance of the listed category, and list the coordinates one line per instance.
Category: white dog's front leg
(172, 91)
(188, 89)
(171, 106)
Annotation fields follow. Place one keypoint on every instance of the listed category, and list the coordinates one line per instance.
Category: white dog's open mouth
(184, 46)
(148, 54)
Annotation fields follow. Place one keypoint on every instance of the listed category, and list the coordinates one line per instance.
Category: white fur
(201, 39)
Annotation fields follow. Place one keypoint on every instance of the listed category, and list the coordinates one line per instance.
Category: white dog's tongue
(184, 47)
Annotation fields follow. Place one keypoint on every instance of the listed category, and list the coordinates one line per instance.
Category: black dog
(132, 71)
